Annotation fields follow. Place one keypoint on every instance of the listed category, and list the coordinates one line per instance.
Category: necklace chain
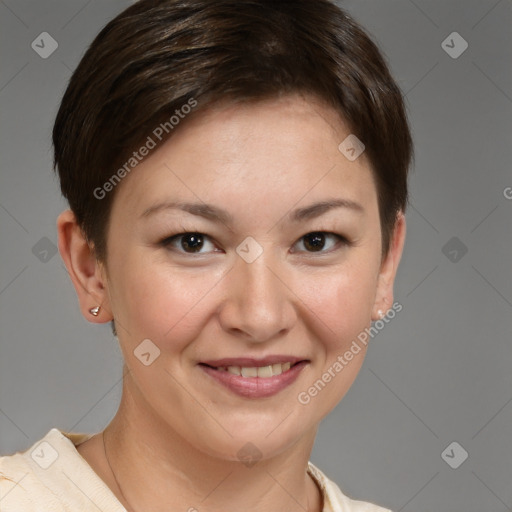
(117, 482)
(112, 471)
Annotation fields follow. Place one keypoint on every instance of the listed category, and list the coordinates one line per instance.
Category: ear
(389, 266)
(86, 273)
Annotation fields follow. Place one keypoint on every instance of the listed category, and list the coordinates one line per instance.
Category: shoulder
(20, 487)
(26, 477)
(335, 500)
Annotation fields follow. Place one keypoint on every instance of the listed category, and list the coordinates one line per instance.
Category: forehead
(275, 151)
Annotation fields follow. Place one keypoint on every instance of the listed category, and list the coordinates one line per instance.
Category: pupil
(192, 243)
(314, 241)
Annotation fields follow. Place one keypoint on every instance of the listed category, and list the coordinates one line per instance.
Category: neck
(157, 469)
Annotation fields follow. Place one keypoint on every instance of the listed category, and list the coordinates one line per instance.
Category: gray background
(438, 373)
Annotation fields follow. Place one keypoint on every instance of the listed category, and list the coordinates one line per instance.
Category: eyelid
(342, 242)
(167, 242)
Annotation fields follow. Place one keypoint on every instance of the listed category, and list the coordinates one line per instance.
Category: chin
(253, 443)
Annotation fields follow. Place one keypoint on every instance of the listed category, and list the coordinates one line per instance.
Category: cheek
(342, 300)
(340, 306)
(164, 304)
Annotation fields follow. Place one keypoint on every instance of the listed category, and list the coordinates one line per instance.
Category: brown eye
(319, 241)
(189, 243)
(192, 242)
(314, 241)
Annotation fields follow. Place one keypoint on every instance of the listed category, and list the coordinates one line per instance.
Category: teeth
(249, 372)
(277, 369)
(261, 371)
(265, 371)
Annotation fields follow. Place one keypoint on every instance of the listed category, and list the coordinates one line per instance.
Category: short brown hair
(158, 54)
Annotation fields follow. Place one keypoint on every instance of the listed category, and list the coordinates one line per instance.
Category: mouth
(263, 372)
(252, 378)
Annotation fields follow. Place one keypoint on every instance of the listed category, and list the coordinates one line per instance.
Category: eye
(189, 243)
(319, 241)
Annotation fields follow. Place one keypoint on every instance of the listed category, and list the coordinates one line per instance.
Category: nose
(259, 302)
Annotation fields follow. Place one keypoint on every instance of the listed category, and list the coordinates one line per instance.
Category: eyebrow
(317, 209)
(216, 214)
(207, 211)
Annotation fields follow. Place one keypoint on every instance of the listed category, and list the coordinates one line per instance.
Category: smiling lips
(257, 371)
(253, 378)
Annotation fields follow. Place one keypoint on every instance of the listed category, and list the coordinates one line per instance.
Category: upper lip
(249, 362)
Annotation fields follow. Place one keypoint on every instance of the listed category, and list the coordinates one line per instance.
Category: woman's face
(282, 264)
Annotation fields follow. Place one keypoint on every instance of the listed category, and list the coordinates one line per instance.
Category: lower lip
(255, 387)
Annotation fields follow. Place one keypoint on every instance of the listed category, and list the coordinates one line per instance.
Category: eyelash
(341, 242)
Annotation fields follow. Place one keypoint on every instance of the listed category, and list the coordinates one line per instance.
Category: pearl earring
(380, 313)
(95, 311)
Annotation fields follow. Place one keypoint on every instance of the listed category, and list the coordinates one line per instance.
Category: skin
(173, 443)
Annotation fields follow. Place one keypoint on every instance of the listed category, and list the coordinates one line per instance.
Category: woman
(237, 175)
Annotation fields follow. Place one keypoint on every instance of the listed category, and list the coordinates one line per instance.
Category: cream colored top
(52, 476)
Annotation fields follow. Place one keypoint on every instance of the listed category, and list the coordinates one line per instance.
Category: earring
(380, 313)
(95, 311)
